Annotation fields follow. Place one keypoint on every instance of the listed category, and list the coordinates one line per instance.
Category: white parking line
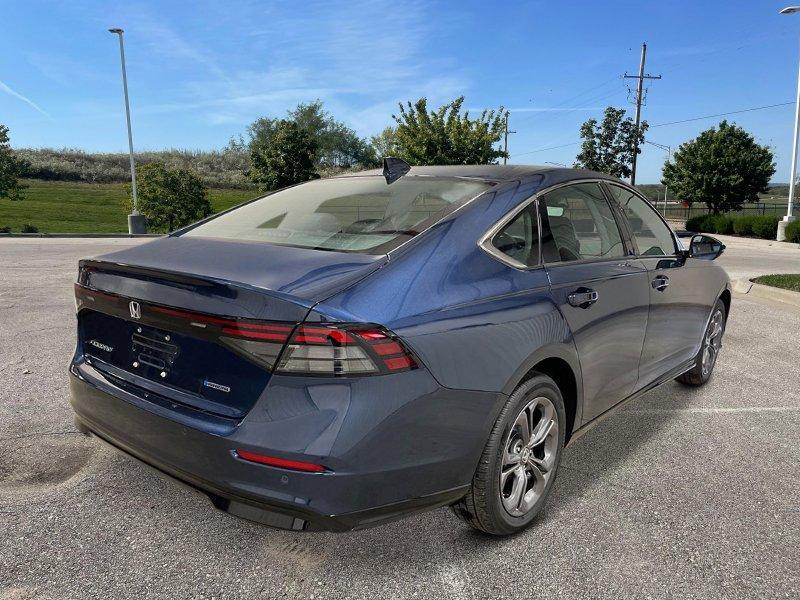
(728, 409)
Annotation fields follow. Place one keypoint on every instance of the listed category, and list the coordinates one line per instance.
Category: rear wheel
(709, 349)
(519, 462)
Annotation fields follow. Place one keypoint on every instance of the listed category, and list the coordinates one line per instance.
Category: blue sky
(200, 71)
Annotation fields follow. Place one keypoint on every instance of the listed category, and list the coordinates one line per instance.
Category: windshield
(348, 214)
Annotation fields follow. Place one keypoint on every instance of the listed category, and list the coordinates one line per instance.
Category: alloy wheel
(529, 454)
(712, 342)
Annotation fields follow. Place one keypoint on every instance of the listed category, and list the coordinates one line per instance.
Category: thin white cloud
(260, 59)
(27, 101)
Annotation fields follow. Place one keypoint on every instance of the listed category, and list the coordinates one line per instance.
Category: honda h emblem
(136, 309)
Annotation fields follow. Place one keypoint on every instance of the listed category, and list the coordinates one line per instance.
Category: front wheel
(519, 462)
(709, 349)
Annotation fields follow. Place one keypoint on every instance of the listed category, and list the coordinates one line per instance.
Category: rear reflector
(282, 463)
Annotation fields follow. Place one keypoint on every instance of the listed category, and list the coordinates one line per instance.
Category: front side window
(652, 236)
(519, 239)
(582, 223)
(348, 214)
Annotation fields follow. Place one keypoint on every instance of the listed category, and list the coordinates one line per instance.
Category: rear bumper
(383, 461)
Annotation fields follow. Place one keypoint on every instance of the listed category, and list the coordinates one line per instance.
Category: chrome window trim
(485, 242)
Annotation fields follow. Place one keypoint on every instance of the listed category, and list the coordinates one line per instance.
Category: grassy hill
(75, 207)
(78, 207)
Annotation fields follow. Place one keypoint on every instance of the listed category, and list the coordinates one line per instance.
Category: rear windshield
(348, 214)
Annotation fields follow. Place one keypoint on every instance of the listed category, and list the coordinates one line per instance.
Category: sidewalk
(747, 242)
(745, 258)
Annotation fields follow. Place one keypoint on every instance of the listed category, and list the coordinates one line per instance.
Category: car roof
(496, 173)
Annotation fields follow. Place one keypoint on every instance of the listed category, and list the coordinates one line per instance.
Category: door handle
(660, 283)
(583, 297)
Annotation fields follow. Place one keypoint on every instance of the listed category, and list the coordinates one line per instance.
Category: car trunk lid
(202, 324)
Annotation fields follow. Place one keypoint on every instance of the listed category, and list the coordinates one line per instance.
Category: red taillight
(344, 350)
(283, 463)
(319, 349)
(274, 332)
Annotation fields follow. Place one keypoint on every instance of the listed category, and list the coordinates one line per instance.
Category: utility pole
(505, 141)
(669, 156)
(639, 97)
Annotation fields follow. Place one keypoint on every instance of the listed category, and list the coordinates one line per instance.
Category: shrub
(721, 224)
(170, 198)
(700, 223)
(766, 227)
(793, 232)
(28, 228)
(744, 225)
(5, 229)
(217, 168)
(11, 169)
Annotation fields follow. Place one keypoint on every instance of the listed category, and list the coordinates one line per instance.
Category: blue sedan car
(351, 350)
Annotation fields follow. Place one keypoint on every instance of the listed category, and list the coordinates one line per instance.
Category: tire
(710, 346)
(491, 504)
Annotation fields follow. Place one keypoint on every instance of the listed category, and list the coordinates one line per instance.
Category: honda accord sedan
(352, 350)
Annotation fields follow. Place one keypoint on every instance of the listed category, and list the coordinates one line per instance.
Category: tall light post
(136, 221)
(789, 216)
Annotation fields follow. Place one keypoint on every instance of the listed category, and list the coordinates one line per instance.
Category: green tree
(723, 167)
(447, 137)
(11, 169)
(608, 146)
(385, 143)
(284, 157)
(170, 198)
(337, 146)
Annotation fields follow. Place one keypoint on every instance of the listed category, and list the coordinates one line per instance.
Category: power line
(548, 148)
(556, 116)
(733, 112)
(572, 99)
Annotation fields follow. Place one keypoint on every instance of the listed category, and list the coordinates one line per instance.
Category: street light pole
(136, 221)
(789, 216)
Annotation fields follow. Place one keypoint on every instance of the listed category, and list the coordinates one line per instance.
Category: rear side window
(582, 224)
(348, 214)
(519, 239)
(652, 236)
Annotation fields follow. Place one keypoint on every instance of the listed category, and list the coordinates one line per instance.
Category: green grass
(786, 282)
(74, 207)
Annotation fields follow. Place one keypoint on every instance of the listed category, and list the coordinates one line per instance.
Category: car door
(679, 303)
(599, 288)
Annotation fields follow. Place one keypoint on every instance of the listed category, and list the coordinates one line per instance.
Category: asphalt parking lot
(682, 493)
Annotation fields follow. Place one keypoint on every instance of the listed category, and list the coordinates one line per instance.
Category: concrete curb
(80, 235)
(745, 286)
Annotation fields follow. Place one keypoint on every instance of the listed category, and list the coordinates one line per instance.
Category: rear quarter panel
(473, 321)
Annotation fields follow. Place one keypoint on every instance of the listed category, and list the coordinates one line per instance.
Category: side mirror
(705, 247)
